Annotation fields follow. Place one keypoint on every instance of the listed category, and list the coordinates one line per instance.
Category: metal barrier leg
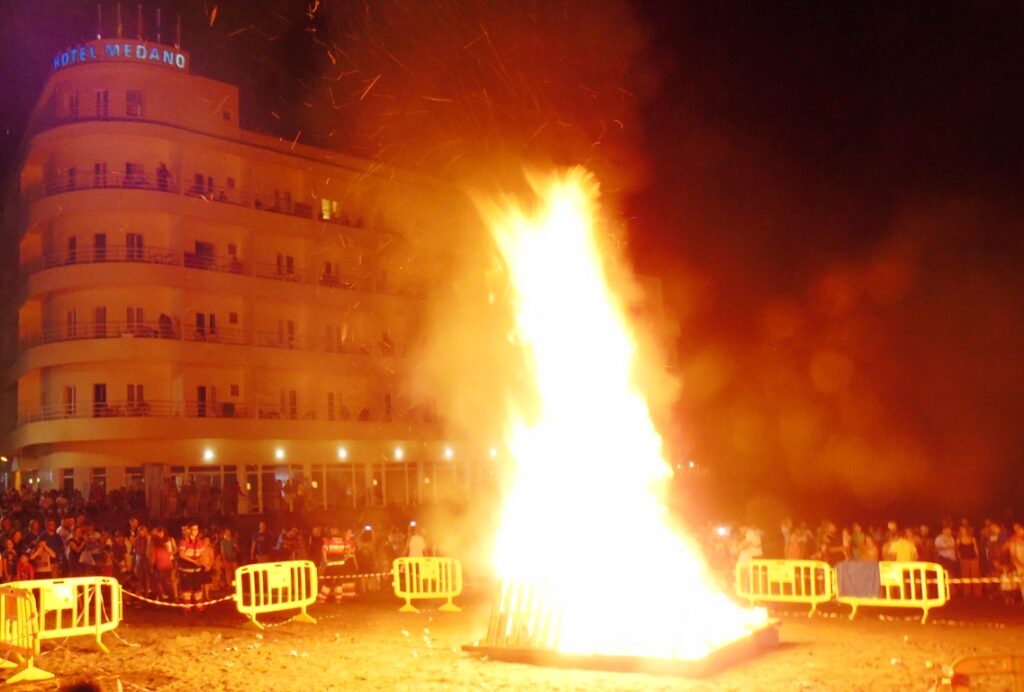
(814, 607)
(450, 607)
(253, 624)
(853, 613)
(7, 665)
(29, 673)
(408, 607)
(924, 616)
(100, 645)
(303, 616)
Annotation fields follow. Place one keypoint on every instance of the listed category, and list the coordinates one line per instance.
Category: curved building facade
(200, 303)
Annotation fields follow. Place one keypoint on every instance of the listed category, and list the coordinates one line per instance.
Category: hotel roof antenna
(177, 36)
(99, 21)
(119, 31)
(138, 22)
(158, 25)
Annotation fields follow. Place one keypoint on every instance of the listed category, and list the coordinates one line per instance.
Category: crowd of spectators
(992, 550)
(55, 534)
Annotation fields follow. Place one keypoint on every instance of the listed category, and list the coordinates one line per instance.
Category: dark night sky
(832, 191)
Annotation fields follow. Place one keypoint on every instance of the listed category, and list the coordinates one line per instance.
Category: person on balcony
(162, 177)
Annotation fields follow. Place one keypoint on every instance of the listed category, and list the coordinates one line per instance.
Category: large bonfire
(583, 521)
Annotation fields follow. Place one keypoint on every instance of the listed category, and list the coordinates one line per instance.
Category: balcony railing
(100, 254)
(226, 264)
(101, 409)
(161, 329)
(161, 180)
(92, 180)
(214, 409)
(169, 328)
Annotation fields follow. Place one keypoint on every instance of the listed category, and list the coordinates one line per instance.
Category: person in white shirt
(945, 551)
(750, 546)
(417, 545)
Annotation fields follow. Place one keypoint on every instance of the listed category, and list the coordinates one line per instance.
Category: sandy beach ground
(368, 645)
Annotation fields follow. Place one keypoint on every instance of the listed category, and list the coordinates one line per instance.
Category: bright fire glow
(583, 521)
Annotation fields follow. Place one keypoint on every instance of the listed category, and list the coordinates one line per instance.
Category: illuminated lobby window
(99, 477)
(73, 105)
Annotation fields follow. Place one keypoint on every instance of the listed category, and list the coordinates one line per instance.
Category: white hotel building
(200, 302)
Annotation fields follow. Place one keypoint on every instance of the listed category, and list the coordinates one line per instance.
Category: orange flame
(582, 520)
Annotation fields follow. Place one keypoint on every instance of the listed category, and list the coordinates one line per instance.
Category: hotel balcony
(40, 277)
(165, 341)
(165, 183)
(128, 420)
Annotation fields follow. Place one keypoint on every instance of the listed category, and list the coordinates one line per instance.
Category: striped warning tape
(165, 604)
(1009, 578)
(328, 577)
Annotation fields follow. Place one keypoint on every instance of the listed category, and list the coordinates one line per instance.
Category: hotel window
(68, 481)
(99, 325)
(335, 338)
(102, 104)
(231, 183)
(285, 265)
(72, 250)
(99, 247)
(99, 477)
(232, 318)
(99, 399)
(134, 246)
(133, 104)
(136, 397)
(134, 174)
(70, 400)
(286, 333)
(205, 328)
(71, 324)
(134, 320)
(235, 389)
(290, 403)
(134, 475)
(99, 175)
(73, 105)
(72, 177)
(328, 209)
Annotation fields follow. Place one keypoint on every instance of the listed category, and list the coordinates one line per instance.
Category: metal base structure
(724, 657)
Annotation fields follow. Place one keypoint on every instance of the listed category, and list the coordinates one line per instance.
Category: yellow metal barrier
(427, 577)
(958, 677)
(273, 586)
(786, 581)
(922, 585)
(19, 634)
(76, 606)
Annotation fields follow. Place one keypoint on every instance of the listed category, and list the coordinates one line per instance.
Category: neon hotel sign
(122, 51)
